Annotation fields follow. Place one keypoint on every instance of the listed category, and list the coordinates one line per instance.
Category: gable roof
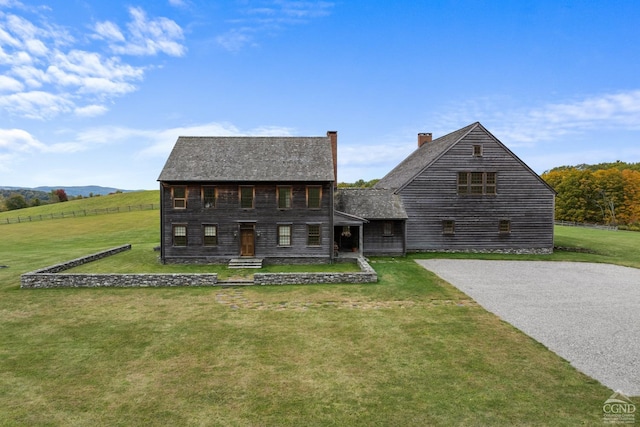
(370, 203)
(421, 158)
(424, 156)
(208, 158)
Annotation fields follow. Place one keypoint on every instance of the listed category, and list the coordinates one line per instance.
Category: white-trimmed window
(209, 235)
(284, 197)
(179, 196)
(179, 235)
(284, 235)
(208, 196)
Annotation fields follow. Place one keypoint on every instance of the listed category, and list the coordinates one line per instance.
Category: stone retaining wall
(50, 277)
(366, 275)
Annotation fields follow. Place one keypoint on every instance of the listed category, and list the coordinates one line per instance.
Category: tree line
(604, 193)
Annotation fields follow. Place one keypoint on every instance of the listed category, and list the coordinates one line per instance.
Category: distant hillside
(72, 191)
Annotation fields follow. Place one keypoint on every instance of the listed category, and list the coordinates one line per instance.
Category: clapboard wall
(521, 198)
(229, 218)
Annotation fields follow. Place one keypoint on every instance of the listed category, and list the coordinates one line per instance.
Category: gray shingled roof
(422, 158)
(370, 203)
(249, 159)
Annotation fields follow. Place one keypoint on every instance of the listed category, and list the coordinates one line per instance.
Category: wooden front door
(247, 242)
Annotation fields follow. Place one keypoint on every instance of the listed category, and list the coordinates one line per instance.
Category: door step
(245, 263)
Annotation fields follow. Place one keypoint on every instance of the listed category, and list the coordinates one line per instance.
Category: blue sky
(96, 92)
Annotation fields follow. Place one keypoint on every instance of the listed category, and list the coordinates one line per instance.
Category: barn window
(477, 183)
(179, 195)
(284, 197)
(505, 226)
(209, 235)
(209, 197)
(387, 229)
(313, 235)
(247, 197)
(477, 150)
(284, 235)
(314, 197)
(448, 227)
(179, 235)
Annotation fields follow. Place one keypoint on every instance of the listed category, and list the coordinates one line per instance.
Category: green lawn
(410, 350)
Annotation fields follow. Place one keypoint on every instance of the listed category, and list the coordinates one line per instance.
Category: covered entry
(348, 232)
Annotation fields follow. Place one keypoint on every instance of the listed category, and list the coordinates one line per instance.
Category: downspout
(331, 215)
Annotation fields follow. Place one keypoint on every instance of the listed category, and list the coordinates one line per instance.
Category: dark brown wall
(228, 216)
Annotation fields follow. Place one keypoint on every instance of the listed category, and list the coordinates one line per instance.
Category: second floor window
(314, 197)
(477, 183)
(208, 197)
(246, 197)
(179, 195)
(284, 197)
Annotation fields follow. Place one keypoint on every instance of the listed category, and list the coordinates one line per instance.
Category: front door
(247, 242)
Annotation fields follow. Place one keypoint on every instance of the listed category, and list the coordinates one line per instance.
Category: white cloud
(18, 140)
(36, 104)
(525, 126)
(9, 84)
(43, 75)
(91, 110)
(145, 36)
(271, 16)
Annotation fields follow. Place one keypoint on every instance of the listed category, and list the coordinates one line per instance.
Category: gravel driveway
(589, 314)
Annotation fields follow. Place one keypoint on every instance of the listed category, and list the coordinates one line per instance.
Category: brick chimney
(423, 138)
(333, 136)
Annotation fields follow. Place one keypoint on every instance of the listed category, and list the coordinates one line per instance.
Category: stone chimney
(423, 138)
(333, 136)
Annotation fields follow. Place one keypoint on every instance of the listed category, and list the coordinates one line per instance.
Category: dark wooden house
(265, 197)
(275, 198)
(466, 191)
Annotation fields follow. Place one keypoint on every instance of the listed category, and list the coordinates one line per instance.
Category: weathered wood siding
(377, 243)
(521, 198)
(229, 217)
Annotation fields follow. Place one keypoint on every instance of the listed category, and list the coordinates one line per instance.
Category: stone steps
(245, 263)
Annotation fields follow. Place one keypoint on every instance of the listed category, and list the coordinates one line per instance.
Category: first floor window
(284, 235)
(284, 197)
(179, 195)
(313, 235)
(448, 226)
(388, 228)
(179, 235)
(209, 197)
(210, 235)
(505, 226)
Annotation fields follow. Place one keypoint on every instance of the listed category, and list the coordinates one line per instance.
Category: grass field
(410, 350)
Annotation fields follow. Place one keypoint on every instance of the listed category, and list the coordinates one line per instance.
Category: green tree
(15, 201)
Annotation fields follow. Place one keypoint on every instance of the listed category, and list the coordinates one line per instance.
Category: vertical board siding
(522, 198)
(264, 217)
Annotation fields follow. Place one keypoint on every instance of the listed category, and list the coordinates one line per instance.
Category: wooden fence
(79, 213)
(587, 225)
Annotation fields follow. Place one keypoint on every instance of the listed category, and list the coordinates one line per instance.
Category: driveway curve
(587, 313)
